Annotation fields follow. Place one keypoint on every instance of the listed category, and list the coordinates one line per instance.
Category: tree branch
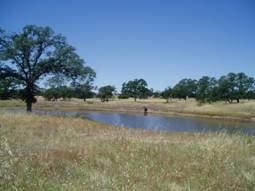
(8, 72)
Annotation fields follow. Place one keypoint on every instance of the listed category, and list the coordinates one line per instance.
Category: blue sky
(161, 41)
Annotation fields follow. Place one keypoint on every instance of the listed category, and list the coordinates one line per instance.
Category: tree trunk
(135, 99)
(29, 97)
(29, 106)
(237, 100)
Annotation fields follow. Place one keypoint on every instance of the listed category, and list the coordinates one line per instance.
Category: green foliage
(185, 88)
(36, 52)
(167, 94)
(106, 92)
(227, 87)
(7, 88)
(206, 89)
(52, 94)
(235, 87)
(56, 81)
(84, 91)
(64, 92)
(136, 89)
(155, 94)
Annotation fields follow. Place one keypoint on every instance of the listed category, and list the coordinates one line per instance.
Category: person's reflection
(145, 111)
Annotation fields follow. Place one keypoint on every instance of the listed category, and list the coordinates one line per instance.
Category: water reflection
(163, 123)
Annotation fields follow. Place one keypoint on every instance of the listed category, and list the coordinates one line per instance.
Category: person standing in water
(145, 111)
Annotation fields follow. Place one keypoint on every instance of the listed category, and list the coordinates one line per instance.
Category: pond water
(163, 123)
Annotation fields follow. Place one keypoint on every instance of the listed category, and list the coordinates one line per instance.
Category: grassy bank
(57, 153)
(245, 110)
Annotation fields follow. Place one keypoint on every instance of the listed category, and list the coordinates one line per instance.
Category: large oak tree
(37, 52)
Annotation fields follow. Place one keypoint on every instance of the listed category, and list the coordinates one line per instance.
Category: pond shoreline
(182, 114)
(156, 122)
(245, 111)
(158, 113)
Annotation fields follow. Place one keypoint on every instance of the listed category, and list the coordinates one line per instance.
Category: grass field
(64, 153)
(244, 110)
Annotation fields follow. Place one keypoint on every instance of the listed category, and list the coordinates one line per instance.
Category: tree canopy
(136, 88)
(167, 94)
(35, 53)
(206, 89)
(235, 86)
(84, 91)
(106, 92)
(7, 88)
(185, 88)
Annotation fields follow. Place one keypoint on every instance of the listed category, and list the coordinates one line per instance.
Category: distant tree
(66, 92)
(52, 94)
(235, 87)
(40, 91)
(83, 87)
(243, 85)
(149, 93)
(106, 92)
(251, 91)
(185, 88)
(224, 89)
(156, 94)
(84, 91)
(123, 95)
(167, 94)
(206, 89)
(55, 93)
(136, 89)
(35, 53)
(251, 95)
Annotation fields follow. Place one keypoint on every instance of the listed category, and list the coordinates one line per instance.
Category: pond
(163, 123)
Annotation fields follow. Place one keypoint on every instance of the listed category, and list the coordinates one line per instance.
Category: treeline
(66, 93)
(229, 88)
(84, 92)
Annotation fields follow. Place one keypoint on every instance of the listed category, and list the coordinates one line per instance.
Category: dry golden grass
(65, 153)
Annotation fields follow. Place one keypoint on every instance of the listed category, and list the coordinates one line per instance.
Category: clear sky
(161, 41)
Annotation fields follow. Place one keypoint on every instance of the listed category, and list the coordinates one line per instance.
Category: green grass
(64, 153)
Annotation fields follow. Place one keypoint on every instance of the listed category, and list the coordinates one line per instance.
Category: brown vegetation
(65, 153)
